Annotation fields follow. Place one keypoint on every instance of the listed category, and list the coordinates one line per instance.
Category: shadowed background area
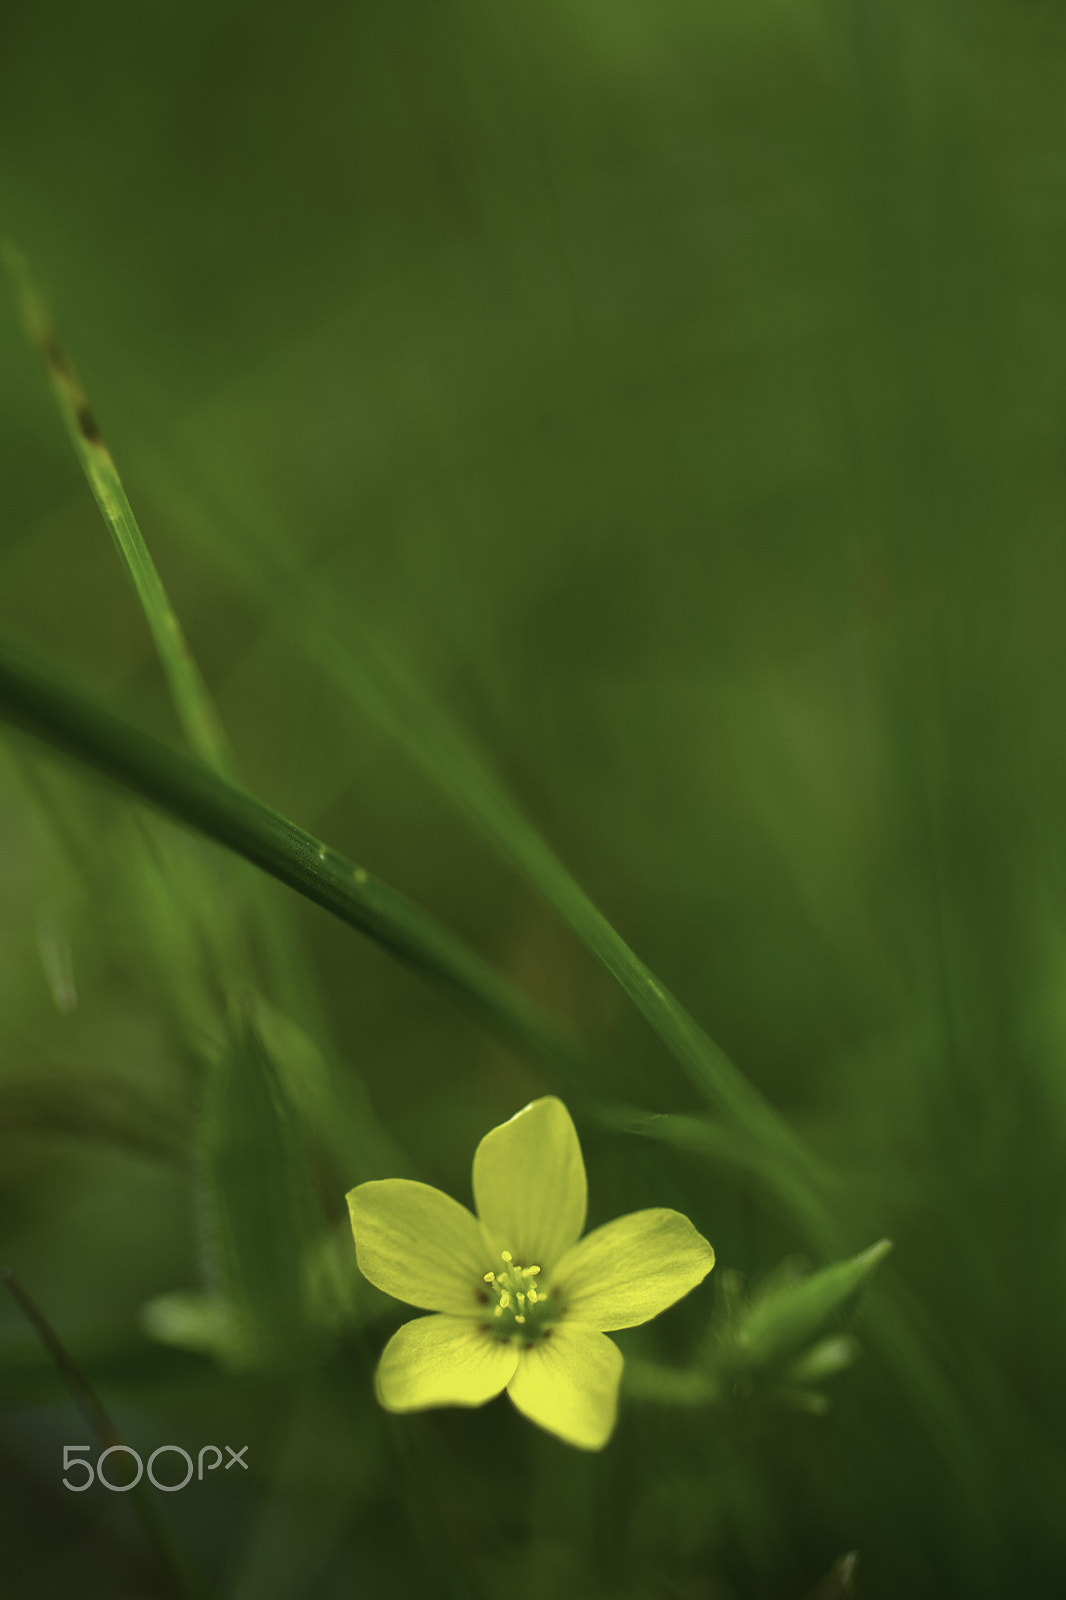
(646, 421)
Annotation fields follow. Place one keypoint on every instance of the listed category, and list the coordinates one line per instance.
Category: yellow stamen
(519, 1304)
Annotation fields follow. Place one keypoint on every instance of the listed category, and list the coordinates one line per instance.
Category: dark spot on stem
(57, 358)
(87, 426)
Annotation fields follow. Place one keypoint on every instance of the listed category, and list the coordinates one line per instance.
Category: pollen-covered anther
(520, 1306)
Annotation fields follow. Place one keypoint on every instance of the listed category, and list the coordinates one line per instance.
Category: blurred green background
(666, 402)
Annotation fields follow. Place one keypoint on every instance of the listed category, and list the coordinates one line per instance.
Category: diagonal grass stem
(183, 1584)
(193, 794)
(192, 701)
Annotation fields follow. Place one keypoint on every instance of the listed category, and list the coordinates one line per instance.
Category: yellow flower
(521, 1301)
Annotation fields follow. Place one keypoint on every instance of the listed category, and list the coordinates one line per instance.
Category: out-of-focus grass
(665, 405)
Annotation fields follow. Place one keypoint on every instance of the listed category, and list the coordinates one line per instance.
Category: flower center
(523, 1307)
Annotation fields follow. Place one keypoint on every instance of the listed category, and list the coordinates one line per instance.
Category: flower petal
(443, 1361)
(568, 1383)
(631, 1269)
(529, 1184)
(418, 1244)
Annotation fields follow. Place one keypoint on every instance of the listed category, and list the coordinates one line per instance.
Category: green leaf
(823, 1360)
(790, 1317)
(839, 1582)
(193, 1320)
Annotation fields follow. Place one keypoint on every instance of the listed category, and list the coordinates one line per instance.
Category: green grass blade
(212, 805)
(192, 700)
